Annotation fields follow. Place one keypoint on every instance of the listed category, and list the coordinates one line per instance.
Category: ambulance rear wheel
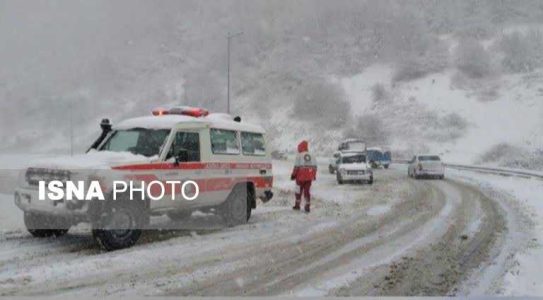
(236, 210)
(43, 226)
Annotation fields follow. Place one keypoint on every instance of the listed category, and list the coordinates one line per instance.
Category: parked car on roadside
(386, 159)
(429, 166)
(353, 167)
(352, 145)
(378, 157)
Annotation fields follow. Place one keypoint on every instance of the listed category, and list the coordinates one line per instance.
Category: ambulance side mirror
(182, 156)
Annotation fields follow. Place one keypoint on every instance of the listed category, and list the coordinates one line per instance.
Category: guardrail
(497, 171)
(489, 170)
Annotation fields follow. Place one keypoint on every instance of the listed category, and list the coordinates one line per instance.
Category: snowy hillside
(432, 114)
(461, 78)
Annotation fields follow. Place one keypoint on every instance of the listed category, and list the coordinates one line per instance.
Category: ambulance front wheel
(120, 226)
(236, 210)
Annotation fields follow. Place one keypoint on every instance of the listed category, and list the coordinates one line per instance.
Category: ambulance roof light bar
(181, 110)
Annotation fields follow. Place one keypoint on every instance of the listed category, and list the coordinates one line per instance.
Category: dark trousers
(303, 189)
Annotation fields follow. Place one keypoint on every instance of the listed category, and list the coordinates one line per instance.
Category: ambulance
(227, 159)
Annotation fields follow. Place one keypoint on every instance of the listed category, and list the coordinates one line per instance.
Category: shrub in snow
(443, 129)
(419, 64)
(522, 52)
(454, 121)
(410, 69)
(379, 94)
(322, 103)
(472, 58)
(507, 155)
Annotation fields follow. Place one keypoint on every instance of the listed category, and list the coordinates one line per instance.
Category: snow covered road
(397, 237)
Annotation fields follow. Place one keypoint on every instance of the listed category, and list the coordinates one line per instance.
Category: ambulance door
(225, 161)
(184, 156)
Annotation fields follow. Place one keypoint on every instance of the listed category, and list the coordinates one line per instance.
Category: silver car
(429, 166)
(353, 167)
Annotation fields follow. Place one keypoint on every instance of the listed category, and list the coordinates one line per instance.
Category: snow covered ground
(356, 237)
(10, 215)
(525, 197)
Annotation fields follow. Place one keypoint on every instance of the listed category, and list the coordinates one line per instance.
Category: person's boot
(307, 210)
(296, 206)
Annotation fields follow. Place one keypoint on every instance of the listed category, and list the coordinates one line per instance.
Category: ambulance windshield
(146, 142)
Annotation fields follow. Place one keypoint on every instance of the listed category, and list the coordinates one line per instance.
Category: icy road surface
(397, 237)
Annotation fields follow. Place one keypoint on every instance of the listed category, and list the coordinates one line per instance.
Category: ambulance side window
(186, 141)
(224, 141)
(252, 144)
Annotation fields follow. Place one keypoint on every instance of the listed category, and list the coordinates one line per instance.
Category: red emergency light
(182, 110)
(189, 111)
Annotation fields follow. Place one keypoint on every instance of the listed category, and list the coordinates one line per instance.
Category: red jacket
(305, 167)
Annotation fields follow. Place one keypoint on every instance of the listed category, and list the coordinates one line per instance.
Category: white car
(227, 159)
(352, 145)
(429, 166)
(353, 167)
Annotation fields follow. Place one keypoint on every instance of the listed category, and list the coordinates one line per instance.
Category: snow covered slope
(442, 113)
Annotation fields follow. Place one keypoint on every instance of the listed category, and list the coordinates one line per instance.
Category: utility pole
(228, 38)
(71, 127)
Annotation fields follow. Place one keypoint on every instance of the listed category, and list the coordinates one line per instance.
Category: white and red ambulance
(227, 159)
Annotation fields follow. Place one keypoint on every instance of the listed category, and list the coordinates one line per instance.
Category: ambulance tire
(37, 225)
(132, 217)
(236, 209)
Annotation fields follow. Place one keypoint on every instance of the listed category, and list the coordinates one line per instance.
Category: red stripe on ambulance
(195, 166)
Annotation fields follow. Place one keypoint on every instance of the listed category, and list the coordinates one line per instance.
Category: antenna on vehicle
(105, 125)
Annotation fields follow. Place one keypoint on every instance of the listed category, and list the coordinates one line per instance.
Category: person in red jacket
(304, 172)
